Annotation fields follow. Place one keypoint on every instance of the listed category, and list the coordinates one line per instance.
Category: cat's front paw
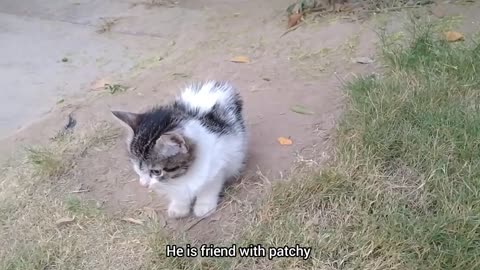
(204, 209)
(176, 210)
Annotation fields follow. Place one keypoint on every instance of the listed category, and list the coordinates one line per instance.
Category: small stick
(201, 219)
(291, 29)
(392, 8)
(339, 79)
(80, 191)
(195, 223)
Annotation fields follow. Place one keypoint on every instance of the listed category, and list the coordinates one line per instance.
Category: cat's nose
(143, 182)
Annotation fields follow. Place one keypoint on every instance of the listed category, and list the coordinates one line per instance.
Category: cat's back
(204, 97)
(217, 105)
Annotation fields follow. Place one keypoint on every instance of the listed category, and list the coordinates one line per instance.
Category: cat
(189, 148)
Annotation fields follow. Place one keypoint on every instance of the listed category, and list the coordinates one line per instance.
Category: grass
(47, 161)
(107, 25)
(403, 190)
(32, 200)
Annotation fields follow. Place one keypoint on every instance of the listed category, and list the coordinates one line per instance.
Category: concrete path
(52, 50)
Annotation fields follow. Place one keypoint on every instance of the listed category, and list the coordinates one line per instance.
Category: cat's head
(157, 155)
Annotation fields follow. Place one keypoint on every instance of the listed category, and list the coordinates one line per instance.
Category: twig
(80, 191)
(209, 214)
(339, 79)
(196, 222)
(291, 29)
(392, 8)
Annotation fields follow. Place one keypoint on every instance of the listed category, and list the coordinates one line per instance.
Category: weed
(115, 88)
(48, 161)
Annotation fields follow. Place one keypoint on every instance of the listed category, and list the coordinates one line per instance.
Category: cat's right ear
(132, 120)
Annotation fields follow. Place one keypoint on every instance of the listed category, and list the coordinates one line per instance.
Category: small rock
(362, 60)
(99, 204)
(313, 222)
(438, 11)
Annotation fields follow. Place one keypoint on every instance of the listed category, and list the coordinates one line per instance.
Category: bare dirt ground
(195, 40)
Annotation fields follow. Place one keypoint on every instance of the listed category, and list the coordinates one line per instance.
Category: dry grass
(107, 25)
(156, 3)
(30, 205)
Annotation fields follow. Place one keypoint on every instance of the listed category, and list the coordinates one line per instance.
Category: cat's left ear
(170, 144)
(132, 120)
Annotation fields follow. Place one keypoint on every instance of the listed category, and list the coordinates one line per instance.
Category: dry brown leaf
(453, 36)
(100, 84)
(240, 59)
(294, 19)
(134, 221)
(284, 141)
(64, 221)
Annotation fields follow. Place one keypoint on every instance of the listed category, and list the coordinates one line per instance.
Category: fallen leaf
(179, 74)
(453, 36)
(100, 84)
(284, 141)
(294, 18)
(300, 109)
(240, 59)
(362, 60)
(134, 221)
(64, 221)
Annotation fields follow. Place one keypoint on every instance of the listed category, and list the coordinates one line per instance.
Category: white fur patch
(207, 96)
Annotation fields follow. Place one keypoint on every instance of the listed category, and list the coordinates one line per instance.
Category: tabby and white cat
(189, 148)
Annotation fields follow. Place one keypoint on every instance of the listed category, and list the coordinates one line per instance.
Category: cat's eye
(171, 169)
(155, 172)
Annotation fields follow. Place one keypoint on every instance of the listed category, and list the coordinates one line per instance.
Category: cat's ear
(132, 120)
(171, 144)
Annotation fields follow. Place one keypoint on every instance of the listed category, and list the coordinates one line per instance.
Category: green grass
(48, 161)
(408, 166)
(77, 207)
(404, 189)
